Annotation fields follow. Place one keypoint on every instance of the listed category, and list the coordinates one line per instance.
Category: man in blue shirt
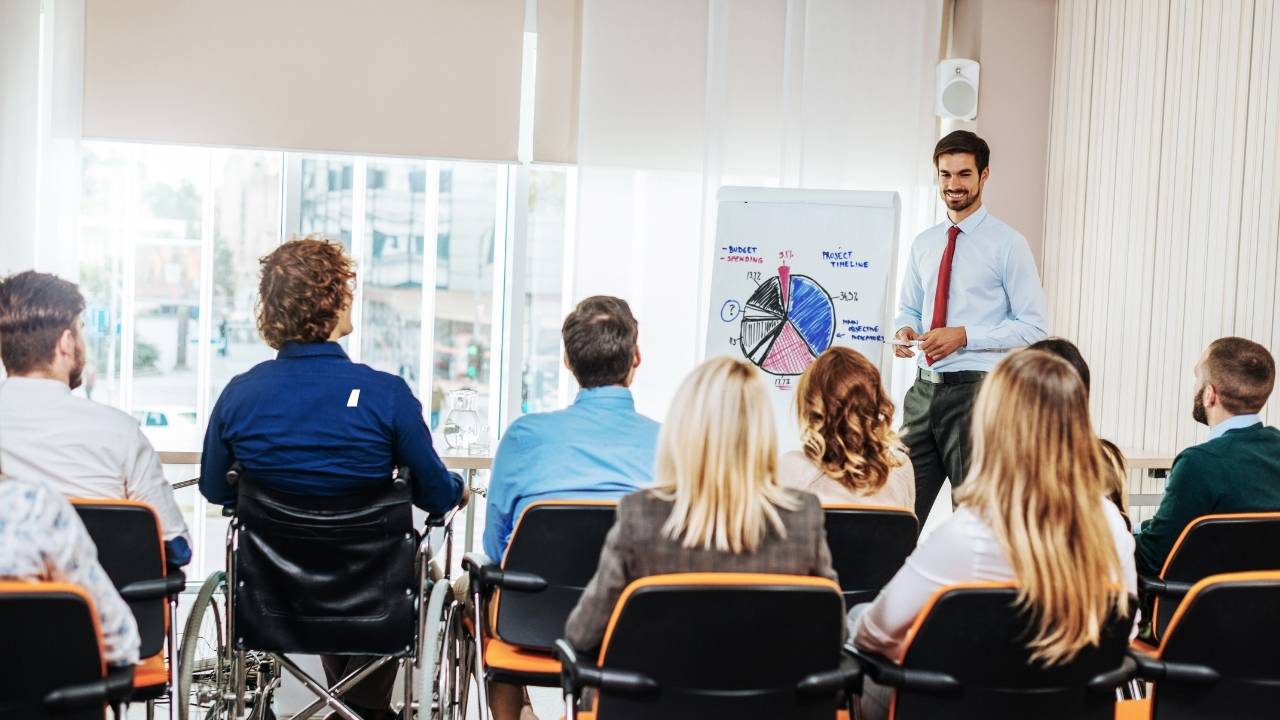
(969, 295)
(311, 422)
(599, 448)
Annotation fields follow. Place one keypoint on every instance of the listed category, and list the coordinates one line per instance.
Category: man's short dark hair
(600, 341)
(1242, 372)
(963, 141)
(35, 308)
(1066, 350)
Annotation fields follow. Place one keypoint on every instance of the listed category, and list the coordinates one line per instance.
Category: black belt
(958, 377)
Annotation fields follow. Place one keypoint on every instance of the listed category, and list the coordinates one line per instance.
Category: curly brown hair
(845, 417)
(305, 285)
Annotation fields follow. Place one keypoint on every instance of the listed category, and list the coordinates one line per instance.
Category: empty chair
(1212, 545)
(868, 544)
(716, 645)
(53, 663)
(1218, 658)
(131, 551)
(968, 658)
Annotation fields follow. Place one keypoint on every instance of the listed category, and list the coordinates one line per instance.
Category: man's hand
(908, 334)
(940, 343)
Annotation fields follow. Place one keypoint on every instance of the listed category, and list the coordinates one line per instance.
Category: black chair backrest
(131, 550)
(559, 541)
(51, 641)
(869, 545)
(325, 575)
(975, 633)
(724, 645)
(1231, 624)
(1216, 544)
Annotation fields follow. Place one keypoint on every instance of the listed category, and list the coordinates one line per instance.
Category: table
(1156, 464)
(468, 465)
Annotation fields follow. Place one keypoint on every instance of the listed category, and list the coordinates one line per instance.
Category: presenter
(971, 294)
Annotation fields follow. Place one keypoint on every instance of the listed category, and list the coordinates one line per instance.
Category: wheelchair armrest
(889, 674)
(1155, 669)
(146, 589)
(1112, 679)
(115, 687)
(1163, 588)
(487, 575)
(228, 511)
(847, 678)
(575, 675)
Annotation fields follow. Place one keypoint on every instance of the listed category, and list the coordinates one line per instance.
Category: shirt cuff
(978, 337)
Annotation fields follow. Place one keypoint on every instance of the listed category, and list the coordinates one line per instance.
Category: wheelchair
(341, 575)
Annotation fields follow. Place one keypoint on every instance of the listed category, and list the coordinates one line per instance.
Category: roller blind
(435, 78)
(555, 98)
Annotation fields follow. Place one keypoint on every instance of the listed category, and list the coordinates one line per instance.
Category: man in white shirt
(47, 435)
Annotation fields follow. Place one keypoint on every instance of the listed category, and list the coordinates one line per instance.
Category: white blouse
(797, 471)
(962, 549)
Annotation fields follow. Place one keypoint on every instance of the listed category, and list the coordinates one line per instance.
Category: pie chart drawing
(788, 321)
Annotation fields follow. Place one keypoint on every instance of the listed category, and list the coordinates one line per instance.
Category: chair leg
(173, 656)
(570, 707)
(151, 710)
(482, 691)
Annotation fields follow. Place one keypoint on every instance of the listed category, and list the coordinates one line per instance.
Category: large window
(169, 247)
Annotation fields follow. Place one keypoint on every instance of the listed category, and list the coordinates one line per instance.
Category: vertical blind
(1163, 215)
(438, 78)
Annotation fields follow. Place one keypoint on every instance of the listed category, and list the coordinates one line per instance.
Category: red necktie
(944, 283)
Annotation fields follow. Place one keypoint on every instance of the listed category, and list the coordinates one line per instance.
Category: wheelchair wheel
(461, 660)
(204, 663)
(434, 696)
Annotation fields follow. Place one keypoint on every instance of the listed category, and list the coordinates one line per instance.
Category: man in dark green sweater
(1238, 468)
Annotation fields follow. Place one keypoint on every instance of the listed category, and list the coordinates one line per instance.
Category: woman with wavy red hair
(311, 422)
(850, 454)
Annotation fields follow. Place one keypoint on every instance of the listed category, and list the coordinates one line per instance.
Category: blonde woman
(851, 454)
(1033, 509)
(716, 504)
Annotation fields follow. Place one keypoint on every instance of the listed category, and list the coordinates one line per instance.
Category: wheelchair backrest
(724, 645)
(51, 641)
(975, 633)
(1229, 623)
(325, 575)
(559, 541)
(1216, 544)
(869, 544)
(130, 549)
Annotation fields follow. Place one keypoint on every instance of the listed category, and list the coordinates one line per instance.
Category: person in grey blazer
(716, 505)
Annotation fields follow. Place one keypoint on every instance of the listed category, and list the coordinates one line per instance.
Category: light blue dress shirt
(599, 448)
(995, 291)
(1235, 422)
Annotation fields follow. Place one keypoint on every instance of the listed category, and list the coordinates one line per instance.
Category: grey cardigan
(636, 548)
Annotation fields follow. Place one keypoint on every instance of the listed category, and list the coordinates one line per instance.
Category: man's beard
(77, 372)
(1198, 413)
(963, 203)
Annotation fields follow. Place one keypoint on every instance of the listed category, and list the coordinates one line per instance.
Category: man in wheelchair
(323, 529)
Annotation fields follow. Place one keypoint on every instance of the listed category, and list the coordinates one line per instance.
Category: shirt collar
(39, 384)
(1235, 422)
(971, 223)
(318, 349)
(607, 394)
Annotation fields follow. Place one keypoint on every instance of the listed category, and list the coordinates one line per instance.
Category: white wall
(680, 97)
(1163, 214)
(19, 71)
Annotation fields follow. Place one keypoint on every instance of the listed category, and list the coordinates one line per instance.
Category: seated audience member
(851, 454)
(1238, 468)
(42, 539)
(311, 422)
(716, 505)
(1067, 350)
(598, 448)
(75, 446)
(1032, 510)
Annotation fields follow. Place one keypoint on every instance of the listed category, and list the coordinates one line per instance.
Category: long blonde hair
(845, 420)
(1039, 477)
(717, 460)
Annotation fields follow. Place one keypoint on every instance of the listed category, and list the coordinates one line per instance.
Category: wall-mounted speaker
(957, 93)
